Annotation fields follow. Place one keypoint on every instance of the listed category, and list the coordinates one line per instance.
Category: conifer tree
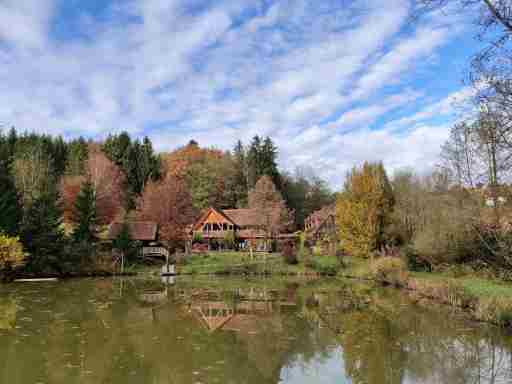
(10, 207)
(42, 235)
(85, 213)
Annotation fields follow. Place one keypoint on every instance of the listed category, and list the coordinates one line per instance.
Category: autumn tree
(11, 252)
(107, 182)
(206, 171)
(169, 204)
(364, 208)
(268, 202)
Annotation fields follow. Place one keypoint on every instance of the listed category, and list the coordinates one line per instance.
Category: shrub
(390, 271)
(414, 261)
(289, 253)
(11, 252)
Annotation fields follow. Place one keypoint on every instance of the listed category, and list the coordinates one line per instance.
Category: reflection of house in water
(247, 312)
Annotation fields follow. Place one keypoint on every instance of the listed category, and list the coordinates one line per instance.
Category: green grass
(260, 263)
(477, 286)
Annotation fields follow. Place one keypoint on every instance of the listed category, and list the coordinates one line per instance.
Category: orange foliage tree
(169, 204)
(206, 172)
(108, 181)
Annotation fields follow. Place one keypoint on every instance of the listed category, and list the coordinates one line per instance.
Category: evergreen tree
(85, 213)
(41, 234)
(77, 157)
(240, 175)
(10, 207)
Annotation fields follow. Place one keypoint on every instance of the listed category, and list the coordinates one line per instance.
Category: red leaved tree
(267, 200)
(108, 181)
(169, 204)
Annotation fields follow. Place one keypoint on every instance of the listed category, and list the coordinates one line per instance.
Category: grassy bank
(485, 298)
(237, 263)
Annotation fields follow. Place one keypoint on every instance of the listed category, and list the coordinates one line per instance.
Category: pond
(220, 330)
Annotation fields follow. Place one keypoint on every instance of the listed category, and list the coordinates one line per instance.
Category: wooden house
(321, 224)
(245, 226)
(145, 232)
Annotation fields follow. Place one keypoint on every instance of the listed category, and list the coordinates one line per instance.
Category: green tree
(85, 213)
(77, 157)
(123, 243)
(364, 209)
(42, 235)
(9, 203)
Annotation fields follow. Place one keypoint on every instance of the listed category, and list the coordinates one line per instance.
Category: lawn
(260, 263)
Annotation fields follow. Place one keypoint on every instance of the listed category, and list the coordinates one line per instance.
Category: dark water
(235, 331)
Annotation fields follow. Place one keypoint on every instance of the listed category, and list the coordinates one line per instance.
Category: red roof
(139, 230)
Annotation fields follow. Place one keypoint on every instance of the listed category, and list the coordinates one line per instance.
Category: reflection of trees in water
(8, 310)
(390, 341)
(95, 332)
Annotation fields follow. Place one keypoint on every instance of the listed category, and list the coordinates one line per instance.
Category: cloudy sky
(333, 82)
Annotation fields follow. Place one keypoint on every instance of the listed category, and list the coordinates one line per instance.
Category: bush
(498, 311)
(11, 252)
(414, 261)
(390, 271)
(289, 253)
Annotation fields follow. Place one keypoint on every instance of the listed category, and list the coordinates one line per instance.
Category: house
(321, 224)
(144, 231)
(246, 227)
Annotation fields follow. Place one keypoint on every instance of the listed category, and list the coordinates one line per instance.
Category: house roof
(139, 230)
(245, 217)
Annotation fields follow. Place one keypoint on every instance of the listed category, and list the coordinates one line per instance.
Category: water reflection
(232, 331)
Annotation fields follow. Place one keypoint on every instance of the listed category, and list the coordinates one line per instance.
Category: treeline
(57, 197)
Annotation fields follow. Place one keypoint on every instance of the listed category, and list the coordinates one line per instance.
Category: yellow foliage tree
(11, 251)
(363, 209)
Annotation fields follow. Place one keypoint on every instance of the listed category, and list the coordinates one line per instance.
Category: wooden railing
(155, 251)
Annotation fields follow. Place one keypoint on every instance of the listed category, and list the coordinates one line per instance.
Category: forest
(58, 196)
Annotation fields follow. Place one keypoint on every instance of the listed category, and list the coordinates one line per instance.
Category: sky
(333, 82)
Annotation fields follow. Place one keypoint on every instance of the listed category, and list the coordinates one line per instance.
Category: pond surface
(238, 331)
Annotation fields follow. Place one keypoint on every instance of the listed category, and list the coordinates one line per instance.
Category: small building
(144, 231)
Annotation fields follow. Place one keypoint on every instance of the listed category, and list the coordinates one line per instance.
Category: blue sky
(333, 82)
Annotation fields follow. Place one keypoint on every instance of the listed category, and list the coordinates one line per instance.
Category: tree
(268, 202)
(107, 180)
(262, 160)
(41, 234)
(77, 157)
(138, 161)
(206, 172)
(11, 252)
(10, 207)
(123, 243)
(85, 213)
(364, 209)
(169, 204)
(33, 173)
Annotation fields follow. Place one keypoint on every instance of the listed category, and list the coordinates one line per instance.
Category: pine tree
(41, 234)
(240, 175)
(10, 207)
(85, 213)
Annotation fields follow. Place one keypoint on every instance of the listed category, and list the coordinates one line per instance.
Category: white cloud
(293, 70)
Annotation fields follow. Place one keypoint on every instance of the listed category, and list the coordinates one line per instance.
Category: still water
(238, 331)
